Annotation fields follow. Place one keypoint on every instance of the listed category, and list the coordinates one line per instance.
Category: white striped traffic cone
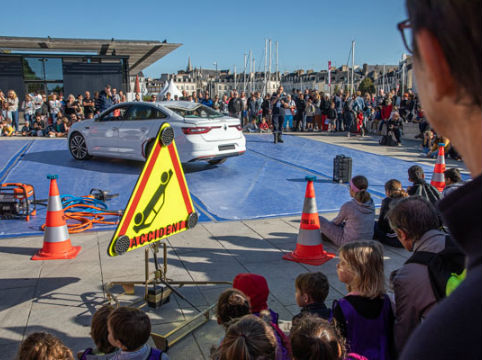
(438, 177)
(56, 235)
(309, 249)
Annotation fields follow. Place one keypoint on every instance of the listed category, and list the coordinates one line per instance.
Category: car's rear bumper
(217, 156)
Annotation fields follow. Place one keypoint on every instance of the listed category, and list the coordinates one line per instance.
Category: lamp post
(216, 78)
(43, 61)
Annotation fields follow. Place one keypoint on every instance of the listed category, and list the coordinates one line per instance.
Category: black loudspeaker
(342, 169)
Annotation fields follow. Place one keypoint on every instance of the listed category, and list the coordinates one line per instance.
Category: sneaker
(399, 144)
(348, 134)
(280, 140)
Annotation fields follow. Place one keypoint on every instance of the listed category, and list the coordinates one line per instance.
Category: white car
(127, 131)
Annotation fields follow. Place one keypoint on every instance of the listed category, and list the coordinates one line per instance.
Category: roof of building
(142, 53)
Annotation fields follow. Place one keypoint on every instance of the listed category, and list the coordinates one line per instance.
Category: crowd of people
(52, 115)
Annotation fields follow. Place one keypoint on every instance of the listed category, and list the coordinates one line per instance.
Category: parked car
(128, 130)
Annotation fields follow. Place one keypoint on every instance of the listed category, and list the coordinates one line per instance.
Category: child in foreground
(43, 346)
(364, 316)
(129, 330)
(249, 338)
(232, 304)
(356, 218)
(314, 338)
(255, 287)
(311, 292)
(100, 334)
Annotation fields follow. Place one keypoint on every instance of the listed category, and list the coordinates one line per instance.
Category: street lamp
(216, 78)
(43, 61)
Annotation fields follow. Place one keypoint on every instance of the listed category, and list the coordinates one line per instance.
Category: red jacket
(386, 111)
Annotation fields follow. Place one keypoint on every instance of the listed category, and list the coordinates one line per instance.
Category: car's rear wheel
(217, 161)
(78, 147)
(149, 147)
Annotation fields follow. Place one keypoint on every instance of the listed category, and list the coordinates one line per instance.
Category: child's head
(394, 190)
(99, 331)
(314, 338)
(311, 288)
(249, 338)
(255, 287)
(263, 120)
(415, 174)
(129, 328)
(359, 189)
(452, 176)
(232, 304)
(361, 268)
(43, 346)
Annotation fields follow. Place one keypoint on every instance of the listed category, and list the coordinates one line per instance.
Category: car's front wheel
(78, 147)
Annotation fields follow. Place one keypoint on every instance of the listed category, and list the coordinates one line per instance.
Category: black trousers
(278, 120)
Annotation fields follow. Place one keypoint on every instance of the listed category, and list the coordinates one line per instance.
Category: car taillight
(198, 130)
(239, 127)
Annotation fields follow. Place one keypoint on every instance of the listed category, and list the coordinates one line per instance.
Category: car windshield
(199, 111)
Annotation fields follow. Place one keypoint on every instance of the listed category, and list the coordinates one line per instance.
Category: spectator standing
(266, 107)
(89, 104)
(28, 108)
(12, 108)
(278, 105)
(339, 111)
(300, 120)
(224, 105)
(55, 107)
(70, 106)
(290, 111)
(235, 106)
(105, 99)
(207, 100)
(216, 103)
(115, 96)
(348, 115)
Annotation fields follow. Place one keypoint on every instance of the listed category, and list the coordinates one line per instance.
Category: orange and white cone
(56, 236)
(438, 177)
(309, 249)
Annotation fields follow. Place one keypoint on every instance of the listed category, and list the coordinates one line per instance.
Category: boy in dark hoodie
(311, 292)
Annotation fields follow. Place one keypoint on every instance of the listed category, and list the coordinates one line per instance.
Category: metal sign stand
(158, 296)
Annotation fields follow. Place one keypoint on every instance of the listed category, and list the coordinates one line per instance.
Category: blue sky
(309, 33)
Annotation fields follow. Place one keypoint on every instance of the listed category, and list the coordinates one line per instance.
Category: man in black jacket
(448, 69)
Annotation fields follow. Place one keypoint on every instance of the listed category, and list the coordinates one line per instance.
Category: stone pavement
(60, 296)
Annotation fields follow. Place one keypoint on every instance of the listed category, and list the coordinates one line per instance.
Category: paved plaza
(60, 296)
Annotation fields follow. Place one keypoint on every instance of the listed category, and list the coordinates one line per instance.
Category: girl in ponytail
(356, 218)
(249, 338)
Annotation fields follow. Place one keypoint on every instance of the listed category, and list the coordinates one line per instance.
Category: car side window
(139, 112)
(157, 114)
(117, 114)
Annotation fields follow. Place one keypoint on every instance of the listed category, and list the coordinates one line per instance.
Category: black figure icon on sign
(145, 218)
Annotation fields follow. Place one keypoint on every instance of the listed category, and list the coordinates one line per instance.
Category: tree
(366, 85)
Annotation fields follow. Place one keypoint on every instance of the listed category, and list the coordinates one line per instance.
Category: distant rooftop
(142, 53)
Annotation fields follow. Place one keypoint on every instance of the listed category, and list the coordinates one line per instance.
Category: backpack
(387, 140)
(446, 269)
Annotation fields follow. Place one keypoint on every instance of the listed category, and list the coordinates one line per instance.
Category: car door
(140, 125)
(103, 133)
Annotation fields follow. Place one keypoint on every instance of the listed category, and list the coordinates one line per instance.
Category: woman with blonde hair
(364, 316)
(12, 108)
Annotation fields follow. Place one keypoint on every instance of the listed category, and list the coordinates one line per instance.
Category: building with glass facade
(72, 66)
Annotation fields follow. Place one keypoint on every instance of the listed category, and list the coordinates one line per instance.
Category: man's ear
(435, 64)
(402, 236)
(306, 298)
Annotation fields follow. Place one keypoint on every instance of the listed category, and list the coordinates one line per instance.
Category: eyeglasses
(405, 28)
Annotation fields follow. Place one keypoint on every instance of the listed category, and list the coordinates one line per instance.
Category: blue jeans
(288, 121)
(14, 117)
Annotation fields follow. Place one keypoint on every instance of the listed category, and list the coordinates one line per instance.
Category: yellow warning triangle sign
(160, 204)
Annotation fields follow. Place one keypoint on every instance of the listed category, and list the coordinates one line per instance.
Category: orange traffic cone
(56, 236)
(438, 177)
(309, 249)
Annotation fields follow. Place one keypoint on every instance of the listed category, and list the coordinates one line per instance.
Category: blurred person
(55, 107)
(88, 104)
(448, 71)
(28, 108)
(12, 108)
